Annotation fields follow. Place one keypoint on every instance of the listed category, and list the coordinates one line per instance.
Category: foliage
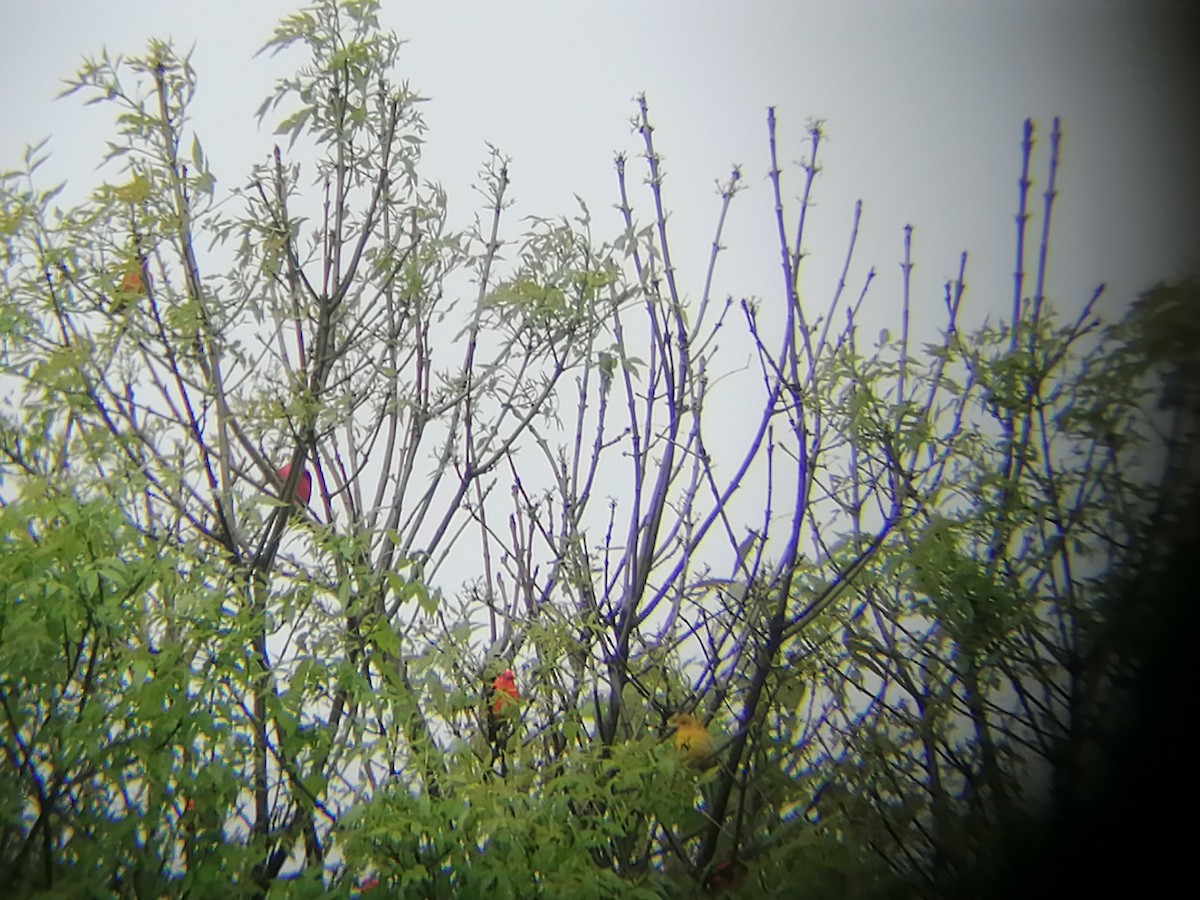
(519, 462)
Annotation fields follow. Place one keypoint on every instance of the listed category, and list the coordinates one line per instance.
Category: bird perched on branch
(128, 283)
(503, 705)
(133, 280)
(692, 741)
(303, 486)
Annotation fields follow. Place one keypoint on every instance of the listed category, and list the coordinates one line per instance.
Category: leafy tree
(217, 683)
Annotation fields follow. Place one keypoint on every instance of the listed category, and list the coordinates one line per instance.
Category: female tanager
(303, 486)
(692, 741)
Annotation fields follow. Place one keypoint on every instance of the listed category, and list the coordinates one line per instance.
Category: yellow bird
(692, 741)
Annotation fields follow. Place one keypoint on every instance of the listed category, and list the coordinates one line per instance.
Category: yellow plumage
(693, 743)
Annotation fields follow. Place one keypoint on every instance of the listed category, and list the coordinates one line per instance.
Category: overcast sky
(923, 109)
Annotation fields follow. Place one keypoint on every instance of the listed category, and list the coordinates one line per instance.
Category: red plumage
(505, 695)
(303, 486)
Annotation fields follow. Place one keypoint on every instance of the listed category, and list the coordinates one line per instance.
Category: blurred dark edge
(1131, 831)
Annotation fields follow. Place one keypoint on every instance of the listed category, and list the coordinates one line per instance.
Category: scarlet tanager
(503, 702)
(505, 695)
(303, 486)
(132, 282)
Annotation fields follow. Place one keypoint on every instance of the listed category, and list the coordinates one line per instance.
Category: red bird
(505, 696)
(502, 710)
(132, 283)
(303, 486)
(503, 705)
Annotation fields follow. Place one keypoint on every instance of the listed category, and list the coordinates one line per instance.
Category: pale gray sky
(923, 103)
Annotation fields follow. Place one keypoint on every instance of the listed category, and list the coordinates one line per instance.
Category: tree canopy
(291, 473)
